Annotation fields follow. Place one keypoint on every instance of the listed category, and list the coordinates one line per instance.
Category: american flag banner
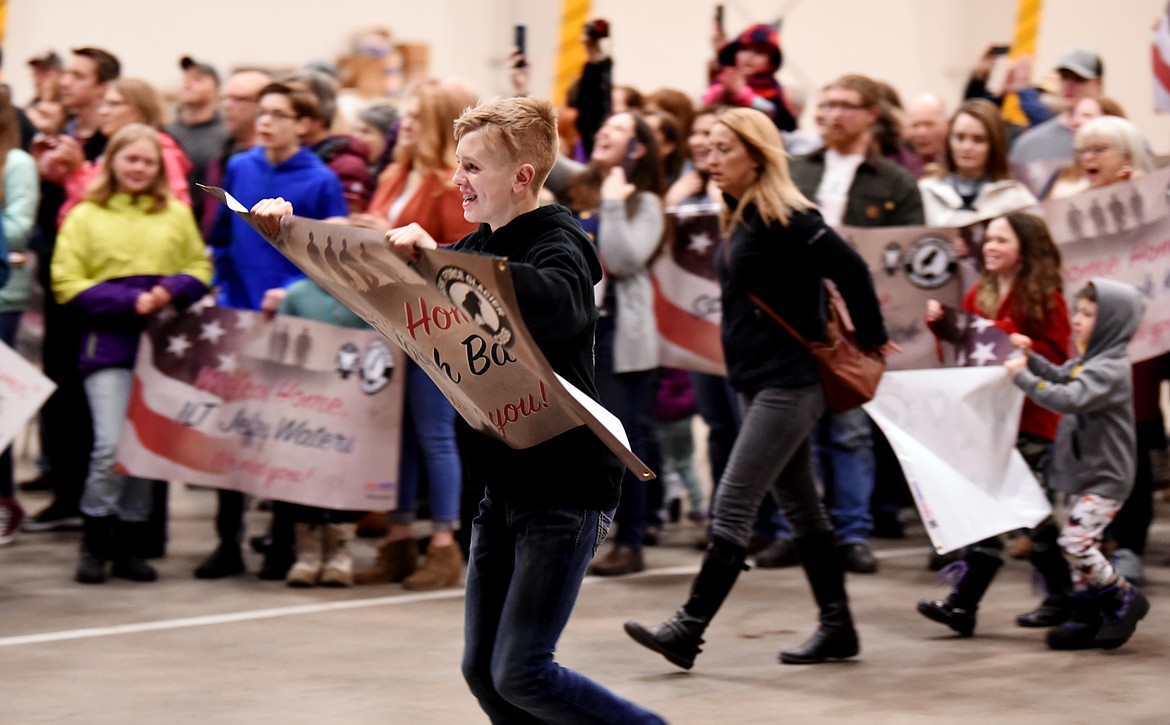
(976, 340)
(456, 315)
(954, 433)
(686, 291)
(23, 390)
(288, 408)
(1160, 58)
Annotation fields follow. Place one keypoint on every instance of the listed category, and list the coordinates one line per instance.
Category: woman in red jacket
(417, 188)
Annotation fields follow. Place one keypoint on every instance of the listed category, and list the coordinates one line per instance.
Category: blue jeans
(845, 464)
(523, 576)
(428, 441)
(9, 323)
(628, 396)
(108, 493)
(718, 405)
(772, 453)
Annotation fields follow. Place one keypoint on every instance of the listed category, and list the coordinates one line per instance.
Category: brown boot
(374, 525)
(396, 561)
(440, 569)
(338, 568)
(619, 560)
(307, 569)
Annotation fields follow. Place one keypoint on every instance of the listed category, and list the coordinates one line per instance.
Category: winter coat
(106, 256)
(1096, 443)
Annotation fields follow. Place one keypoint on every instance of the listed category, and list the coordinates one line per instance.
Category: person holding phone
(617, 200)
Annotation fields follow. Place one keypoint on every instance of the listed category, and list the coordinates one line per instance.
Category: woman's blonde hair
(143, 98)
(434, 147)
(106, 184)
(773, 192)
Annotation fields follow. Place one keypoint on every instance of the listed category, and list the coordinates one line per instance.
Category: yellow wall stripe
(1028, 14)
(571, 51)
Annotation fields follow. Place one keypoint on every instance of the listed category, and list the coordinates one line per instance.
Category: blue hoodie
(1096, 443)
(246, 265)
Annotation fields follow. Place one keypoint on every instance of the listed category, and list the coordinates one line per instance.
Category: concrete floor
(247, 651)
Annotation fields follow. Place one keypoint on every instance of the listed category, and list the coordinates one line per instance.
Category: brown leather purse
(849, 373)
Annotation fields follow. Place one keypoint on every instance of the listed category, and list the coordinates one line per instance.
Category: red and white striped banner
(1160, 47)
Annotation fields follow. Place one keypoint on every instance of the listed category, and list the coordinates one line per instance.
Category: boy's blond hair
(525, 129)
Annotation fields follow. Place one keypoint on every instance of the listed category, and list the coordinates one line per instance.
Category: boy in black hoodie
(546, 509)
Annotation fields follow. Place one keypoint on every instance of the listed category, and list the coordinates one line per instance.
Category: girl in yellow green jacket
(122, 255)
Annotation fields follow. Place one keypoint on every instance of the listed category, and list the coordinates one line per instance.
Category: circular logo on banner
(930, 262)
(377, 367)
(475, 301)
(347, 360)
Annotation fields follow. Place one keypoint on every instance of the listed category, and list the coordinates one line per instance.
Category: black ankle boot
(1079, 631)
(96, 544)
(1050, 564)
(957, 611)
(133, 544)
(225, 561)
(679, 638)
(835, 639)
(1122, 607)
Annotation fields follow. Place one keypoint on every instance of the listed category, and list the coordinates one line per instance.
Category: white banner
(23, 390)
(954, 432)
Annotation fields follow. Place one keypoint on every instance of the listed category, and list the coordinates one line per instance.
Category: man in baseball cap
(1081, 74)
(47, 68)
(198, 127)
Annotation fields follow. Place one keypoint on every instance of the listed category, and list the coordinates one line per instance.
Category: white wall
(917, 45)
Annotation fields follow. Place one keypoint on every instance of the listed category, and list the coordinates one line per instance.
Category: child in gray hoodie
(1093, 458)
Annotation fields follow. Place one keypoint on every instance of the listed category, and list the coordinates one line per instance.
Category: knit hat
(764, 35)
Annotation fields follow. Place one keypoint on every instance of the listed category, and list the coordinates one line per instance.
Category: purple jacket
(112, 327)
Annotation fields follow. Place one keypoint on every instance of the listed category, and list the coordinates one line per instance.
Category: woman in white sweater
(976, 183)
(617, 199)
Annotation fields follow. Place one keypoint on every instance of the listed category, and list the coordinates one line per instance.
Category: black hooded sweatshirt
(554, 266)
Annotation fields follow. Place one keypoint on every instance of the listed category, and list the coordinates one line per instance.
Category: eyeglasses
(278, 115)
(1095, 149)
(839, 106)
(239, 99)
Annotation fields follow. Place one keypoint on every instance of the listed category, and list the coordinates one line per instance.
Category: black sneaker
(779, 554)
(134, 569)
(90, 569)
(56, 517)
(225, 561)
(858, 558)
(275, 567)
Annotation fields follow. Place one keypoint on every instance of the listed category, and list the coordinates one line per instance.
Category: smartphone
(719, 16)
(1000, 49)
(519, 36)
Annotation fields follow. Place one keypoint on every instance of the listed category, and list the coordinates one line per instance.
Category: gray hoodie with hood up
(1095, 448)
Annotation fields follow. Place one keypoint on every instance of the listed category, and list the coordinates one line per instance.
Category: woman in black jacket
(780, 251)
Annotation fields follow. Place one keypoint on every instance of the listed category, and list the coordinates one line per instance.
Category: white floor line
(302, 609)
(228, 618)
